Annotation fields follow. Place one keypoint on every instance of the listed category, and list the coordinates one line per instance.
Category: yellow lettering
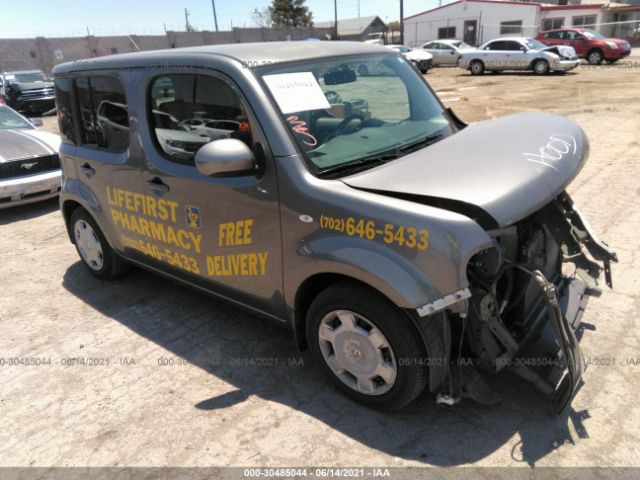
(196, 240)
(173, 206)
(115, 216)
(262, 258)
(110, 200)
(248, 223)
(157, 231)
(171, 236)
(253, 264)
(144, 227)
(151, 206)
(182, 238)
(128, 195)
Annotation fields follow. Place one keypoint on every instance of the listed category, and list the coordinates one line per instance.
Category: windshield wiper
(377, 159)
(423, 142)
(384, 157)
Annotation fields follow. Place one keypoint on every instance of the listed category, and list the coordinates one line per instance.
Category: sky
(29, 18)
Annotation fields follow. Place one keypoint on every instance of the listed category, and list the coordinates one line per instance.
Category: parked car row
(554, 50)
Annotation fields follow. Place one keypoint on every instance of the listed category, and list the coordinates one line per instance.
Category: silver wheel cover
(357, 352)
(89, 245)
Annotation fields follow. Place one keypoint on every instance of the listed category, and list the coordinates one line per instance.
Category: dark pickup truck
(27, 91)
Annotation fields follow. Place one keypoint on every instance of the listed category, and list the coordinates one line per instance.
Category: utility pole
(358, 8)
(215, 17)
(186, 20)
(335, 20)
(401, 22)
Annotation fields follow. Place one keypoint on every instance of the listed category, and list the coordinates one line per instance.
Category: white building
(477, 21)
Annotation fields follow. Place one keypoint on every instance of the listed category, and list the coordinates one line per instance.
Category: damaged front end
(525, 300)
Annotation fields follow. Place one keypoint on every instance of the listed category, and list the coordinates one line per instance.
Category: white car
(421, 59)
(518, 53)
(446, 52)
(29, 163)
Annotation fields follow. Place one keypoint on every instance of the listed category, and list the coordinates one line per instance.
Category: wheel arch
(68, 207)
(430, 330)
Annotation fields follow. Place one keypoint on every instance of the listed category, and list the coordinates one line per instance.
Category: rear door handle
(158, 185)
(87, 170)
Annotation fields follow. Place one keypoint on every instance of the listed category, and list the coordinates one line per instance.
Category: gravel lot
(168, 382)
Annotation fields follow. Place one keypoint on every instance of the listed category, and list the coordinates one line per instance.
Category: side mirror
(37, 122)
(225, 157)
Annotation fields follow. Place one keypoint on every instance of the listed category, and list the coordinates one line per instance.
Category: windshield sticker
(300, 127)
(296, 92)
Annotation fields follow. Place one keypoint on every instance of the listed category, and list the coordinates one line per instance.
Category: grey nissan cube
(323, 185)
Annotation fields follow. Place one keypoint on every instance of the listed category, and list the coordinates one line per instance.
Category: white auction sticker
(296, 92)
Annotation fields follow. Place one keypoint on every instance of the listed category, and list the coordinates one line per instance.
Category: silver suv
(405, 249)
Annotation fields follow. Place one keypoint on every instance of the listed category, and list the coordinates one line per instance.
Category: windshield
(535, 44)
(356, 110)
(590, 34)
(10, 119)
(29, 77)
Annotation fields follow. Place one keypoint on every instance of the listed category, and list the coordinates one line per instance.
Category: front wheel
(92, 246)
(541, 67)
(366, 346)
(595, 57)
(477, 67)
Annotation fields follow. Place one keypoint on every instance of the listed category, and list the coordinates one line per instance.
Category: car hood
(497, 171)
(24, 143)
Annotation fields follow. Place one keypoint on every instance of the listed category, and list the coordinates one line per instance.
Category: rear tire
(366, 346)
(476, 67)
(95, 252)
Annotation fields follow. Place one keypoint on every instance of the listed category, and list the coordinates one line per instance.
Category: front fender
(385, 270)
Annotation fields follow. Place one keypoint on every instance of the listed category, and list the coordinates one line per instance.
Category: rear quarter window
(103, 113)
(65, 111)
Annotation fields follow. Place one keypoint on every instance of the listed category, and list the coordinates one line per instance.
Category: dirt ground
(169, 379)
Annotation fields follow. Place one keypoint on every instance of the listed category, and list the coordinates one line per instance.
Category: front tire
(92, 246)
(595, 57)
(541, 67)
(366, 346)
(476, 67)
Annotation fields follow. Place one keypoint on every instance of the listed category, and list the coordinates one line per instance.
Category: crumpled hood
(508, 167)
(24, 143)
(565, 51)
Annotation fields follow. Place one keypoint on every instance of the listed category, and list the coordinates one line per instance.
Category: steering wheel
(344, 123)
(333, 97)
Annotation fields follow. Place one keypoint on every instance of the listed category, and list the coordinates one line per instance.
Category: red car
(588, 44)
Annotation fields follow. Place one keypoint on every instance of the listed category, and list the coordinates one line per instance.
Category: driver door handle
(158, 185)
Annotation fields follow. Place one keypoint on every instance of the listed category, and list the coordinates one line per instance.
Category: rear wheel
(595, 57)
(477, 67)
(366, 346)
(94, 250)
(541, 67)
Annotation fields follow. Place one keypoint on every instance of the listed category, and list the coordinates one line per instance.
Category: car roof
(448, 41)
(257, 54)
